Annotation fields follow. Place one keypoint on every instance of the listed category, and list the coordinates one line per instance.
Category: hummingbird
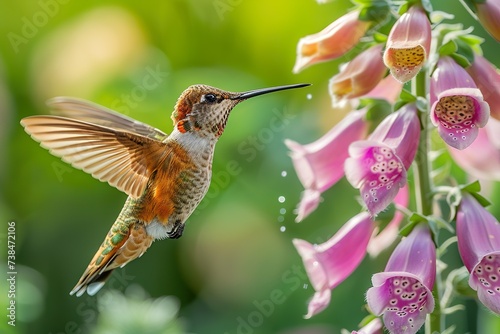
(164, 176)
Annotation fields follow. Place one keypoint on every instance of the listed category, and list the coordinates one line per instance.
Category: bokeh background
(235, 269)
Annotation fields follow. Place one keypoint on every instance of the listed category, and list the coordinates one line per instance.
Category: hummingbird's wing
(93, 113)
(124, 159)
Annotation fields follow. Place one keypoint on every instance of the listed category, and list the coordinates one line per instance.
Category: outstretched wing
(124, 159)
(93, 113)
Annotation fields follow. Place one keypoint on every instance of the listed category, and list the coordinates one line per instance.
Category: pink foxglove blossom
(408, 44)
(378, 166)
(458, 108)
(482, 158)
(359, 76)
(320, 164)
(402, 293)
(332, 42)
(478, 234)
(487, 78)
(330, 263)
(489, 16)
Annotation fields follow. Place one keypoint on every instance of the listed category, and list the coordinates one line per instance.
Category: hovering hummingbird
(165, 176)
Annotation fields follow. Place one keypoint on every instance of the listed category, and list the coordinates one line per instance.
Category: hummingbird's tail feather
(122, 244)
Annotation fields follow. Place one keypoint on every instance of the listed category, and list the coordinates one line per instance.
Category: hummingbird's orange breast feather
(165, 184)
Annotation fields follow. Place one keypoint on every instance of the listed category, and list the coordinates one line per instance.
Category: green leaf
(377, 12)
(407, 96)
(379, 37)
(448, 48)
(472, 187)
(465, 50)
(377, 109)
(414, 220)
(482, 200)
(460, 60)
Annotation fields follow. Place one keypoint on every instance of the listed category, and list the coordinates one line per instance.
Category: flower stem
(423, 186)
(424, 191)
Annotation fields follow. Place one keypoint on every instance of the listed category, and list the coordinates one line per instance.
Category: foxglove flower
(330, 263)
(408, 44)
(332, 42)
(373, 327)
(482, 158)
(458, 108)
(320, 164)
(378, 166)
(402, 293)
(489, 16)
(487, 78)
(359, 76)
(390, 233)
(478, 234)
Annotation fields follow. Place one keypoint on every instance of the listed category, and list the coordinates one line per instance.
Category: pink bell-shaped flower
(359, 76)
(332, 42)
(408, 44)
(488, 13)
(330, 263)
(478, 234)
(457, 105)
(378, 166)
(320, 164)
(487, 78)
(403, 292)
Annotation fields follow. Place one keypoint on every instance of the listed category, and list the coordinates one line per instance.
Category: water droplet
(282, 211)
(281, 199)
(309, 96)
(282, 228)
(305, 286)
(281, 219)
(284, 173)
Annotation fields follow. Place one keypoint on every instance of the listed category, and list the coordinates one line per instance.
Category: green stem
(423, 192)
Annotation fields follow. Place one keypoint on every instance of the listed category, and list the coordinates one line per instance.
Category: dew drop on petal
(281, 199)
(284, 173)
(282, 228)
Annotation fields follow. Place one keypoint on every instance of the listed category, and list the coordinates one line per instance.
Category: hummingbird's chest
(176, 189)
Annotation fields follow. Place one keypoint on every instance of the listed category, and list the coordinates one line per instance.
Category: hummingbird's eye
(210, 98)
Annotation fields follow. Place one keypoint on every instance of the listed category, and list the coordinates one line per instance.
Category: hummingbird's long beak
(257, 92)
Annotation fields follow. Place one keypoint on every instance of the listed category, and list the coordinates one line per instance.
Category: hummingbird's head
(205, 109)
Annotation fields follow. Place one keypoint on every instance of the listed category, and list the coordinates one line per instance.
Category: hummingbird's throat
(186, 125)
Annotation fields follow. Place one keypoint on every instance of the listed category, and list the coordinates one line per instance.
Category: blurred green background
(235, 269)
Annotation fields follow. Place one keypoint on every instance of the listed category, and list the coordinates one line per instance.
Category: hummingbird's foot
(176, 231)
